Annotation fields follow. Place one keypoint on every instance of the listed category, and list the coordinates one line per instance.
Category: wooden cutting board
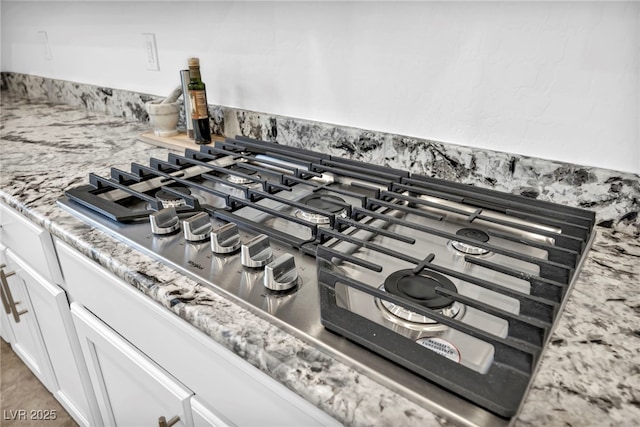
(177, 142)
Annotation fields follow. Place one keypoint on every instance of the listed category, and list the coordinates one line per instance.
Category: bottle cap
(194, 62)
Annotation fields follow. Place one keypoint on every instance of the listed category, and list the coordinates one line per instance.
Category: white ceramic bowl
(163, 117)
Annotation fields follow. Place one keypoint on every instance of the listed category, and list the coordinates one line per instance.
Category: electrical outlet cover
(46, 49)
(150, 52)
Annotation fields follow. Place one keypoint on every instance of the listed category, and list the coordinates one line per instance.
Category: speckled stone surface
(589, 375)
(614, 195)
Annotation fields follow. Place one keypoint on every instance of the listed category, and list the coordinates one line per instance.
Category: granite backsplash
(613, 195)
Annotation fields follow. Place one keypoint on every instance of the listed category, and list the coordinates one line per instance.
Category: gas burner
(170, 200)
(420, 289)
(241, 180)
(332, 204)
(474, 234)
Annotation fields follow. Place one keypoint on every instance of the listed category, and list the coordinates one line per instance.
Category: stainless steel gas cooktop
(444, 292)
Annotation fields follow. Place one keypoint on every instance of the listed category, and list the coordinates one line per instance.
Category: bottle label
(199, 109)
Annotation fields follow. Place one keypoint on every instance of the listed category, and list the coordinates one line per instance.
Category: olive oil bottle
(199, 106)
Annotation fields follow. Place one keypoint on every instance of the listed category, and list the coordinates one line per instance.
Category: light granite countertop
(589, 375)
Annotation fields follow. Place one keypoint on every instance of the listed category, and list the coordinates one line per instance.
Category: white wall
(556, 80)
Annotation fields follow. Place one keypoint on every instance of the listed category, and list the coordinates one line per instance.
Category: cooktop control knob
(256, 252)
(164, 221)
(281, 274)
(225, 239)
(196, 228)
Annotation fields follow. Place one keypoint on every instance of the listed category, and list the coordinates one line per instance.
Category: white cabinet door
(45, 339)
(27, 340)
(204, 417)
(131, 389)
(70, 385)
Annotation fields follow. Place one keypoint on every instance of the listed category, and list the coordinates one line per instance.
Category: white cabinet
(36, 317)
(235, 392)
(132, 390)
(23, 330)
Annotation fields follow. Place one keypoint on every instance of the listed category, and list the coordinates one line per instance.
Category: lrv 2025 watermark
(32, 415)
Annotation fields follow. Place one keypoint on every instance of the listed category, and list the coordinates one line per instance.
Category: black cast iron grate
(501, 389)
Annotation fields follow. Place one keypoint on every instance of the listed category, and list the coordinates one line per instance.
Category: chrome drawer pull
(8, 297)
(5, 302)
(162, 421)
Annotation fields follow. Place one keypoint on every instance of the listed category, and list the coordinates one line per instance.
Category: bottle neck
(194, 74)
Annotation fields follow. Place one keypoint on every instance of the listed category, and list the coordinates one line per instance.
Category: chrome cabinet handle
(5, 303)
(162, 421)
(8, 297)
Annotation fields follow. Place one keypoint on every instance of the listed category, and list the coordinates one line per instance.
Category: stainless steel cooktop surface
(443, 292)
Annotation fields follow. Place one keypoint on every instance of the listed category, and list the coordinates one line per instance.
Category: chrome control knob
(256, 252)
(225, 239)
(197, 227)
(281, 274)
(165, 221)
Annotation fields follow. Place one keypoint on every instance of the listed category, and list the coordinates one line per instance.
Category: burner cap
(326, 202)
(420, 288)
(237, 179)
(474, 234)
(171, 200)
(166, 196)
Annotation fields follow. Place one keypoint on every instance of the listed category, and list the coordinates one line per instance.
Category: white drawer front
(30, 243)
